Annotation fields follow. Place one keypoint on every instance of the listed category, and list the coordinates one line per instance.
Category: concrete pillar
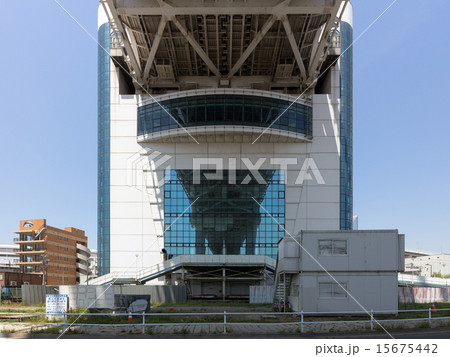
(223, 283)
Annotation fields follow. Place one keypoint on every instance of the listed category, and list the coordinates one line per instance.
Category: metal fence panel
(261, 294)
(423, 295)
(35, 294)
(140, 319)
(159, 293)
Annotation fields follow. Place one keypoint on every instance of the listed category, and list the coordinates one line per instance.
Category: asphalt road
(423, 333)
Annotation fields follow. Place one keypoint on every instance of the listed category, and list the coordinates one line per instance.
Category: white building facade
(8, 256)
(432, 265)
(221, 126)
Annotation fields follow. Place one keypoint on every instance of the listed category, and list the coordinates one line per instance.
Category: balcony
(83, 250)
(81, 268)
(82, 263)
(225, 115)
(18, 241)
(27, 251)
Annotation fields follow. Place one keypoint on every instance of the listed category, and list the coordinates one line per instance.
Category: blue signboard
(56, 304)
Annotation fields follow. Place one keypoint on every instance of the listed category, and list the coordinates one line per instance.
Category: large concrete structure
(59, 256)
(428, 264)
(257, 92)
(337, 271)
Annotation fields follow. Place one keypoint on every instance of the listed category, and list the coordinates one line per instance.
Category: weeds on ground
(52, 330)
(71, 331)
(30, 309)
(8, 330)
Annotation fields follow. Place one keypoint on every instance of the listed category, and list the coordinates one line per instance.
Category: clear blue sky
(48, 136)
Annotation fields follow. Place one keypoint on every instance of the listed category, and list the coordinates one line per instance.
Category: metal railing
(172, 264)
(422, 281)
(145, 318)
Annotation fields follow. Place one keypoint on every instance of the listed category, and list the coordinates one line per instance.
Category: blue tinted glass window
(227, 110)
(103, 238)
(346, 214)
(224, 219)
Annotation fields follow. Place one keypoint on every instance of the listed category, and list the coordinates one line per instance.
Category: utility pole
(44, 268)
(137, 257)
(87, 271)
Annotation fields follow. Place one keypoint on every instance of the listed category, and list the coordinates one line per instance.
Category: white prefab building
(340, 271)
(428, 265)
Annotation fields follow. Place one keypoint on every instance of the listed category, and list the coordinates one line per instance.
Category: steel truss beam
(324, 42)
(195, 45)
(251, 47)
(278, 10)
(294, 47)
(155, 45)
(219, 278)
(198, 7)
(125, 40)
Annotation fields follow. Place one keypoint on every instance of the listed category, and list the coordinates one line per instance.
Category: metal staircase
(282, 292)
(141, 276)
(166, 267)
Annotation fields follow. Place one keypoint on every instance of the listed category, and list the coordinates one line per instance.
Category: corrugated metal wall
(159, 293)
(423, 295)
(261, 294)
(35, 294)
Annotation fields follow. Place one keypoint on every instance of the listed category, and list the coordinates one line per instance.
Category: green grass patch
(29, 310)
(418, 306)
(7, 330)
(51, 330)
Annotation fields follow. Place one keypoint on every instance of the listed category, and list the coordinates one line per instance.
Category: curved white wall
(102, 18)
(348, 14)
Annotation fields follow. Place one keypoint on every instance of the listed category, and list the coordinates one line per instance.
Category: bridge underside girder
(171, 45)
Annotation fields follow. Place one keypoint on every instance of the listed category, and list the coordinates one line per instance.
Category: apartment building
(60, 256)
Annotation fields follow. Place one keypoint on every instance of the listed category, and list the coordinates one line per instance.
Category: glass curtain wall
(346, 184)
(224, 110)
(225, 219)
(103, 231)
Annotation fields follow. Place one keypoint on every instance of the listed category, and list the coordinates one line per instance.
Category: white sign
(55, 305)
